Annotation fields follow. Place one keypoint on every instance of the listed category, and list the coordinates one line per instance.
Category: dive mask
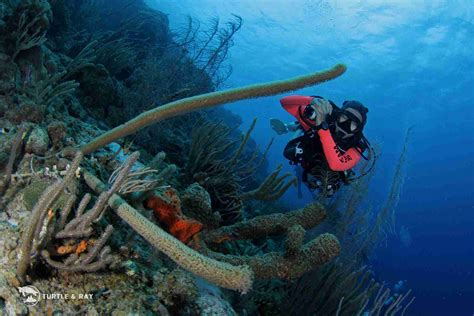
(309, 113)
(348, 123)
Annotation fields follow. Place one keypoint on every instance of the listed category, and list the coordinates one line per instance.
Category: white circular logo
(30, 295)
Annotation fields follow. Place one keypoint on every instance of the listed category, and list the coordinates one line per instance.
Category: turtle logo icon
(30, 295)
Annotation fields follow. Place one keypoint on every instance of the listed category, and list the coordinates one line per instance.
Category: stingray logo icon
(30, 294)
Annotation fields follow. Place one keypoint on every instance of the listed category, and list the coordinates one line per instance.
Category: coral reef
(43, 227)
(70, 70)
(177, 288)
(138, 63)
(298, 260)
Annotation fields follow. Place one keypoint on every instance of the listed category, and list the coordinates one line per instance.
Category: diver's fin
(278, 126)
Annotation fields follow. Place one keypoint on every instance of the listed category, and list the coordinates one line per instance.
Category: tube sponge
(223, 274)
(297, 259)
(275, 264)
(208, 100)
(269, 225)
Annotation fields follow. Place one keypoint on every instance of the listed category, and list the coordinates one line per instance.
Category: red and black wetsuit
(318, 147)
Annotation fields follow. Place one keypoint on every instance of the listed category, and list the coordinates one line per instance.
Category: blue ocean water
(411, 63)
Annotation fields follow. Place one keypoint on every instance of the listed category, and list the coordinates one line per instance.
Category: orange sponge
(167, 210)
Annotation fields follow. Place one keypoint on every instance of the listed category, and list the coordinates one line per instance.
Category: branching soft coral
(27, 27)
(221, 165)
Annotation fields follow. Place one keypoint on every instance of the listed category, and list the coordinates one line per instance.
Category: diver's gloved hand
(278, 126)
(322, 108)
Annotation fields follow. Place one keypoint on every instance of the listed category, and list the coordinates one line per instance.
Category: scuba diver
(329, 142)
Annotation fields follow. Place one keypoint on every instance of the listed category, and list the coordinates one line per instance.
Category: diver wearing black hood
(332, 140)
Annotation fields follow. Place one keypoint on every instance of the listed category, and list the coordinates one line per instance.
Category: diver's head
(351, 119)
